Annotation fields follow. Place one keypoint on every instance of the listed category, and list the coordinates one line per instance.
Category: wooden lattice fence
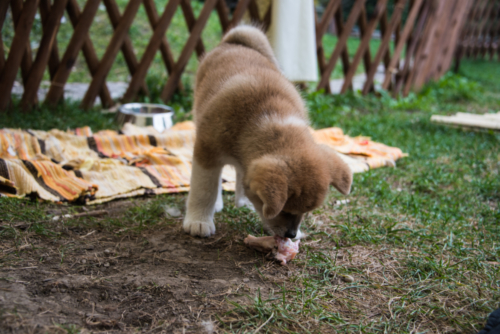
(423, 34)
(480, 36)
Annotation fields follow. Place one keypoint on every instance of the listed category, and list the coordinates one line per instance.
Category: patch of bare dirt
(161, 280)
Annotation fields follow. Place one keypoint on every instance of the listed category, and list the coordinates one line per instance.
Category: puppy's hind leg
(205, 183)
(241, 199)
(219, 203)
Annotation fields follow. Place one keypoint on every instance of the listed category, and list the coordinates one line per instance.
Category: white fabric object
(293, 38)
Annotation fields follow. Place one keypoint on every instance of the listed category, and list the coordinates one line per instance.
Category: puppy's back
(253, 38)
(244, 50)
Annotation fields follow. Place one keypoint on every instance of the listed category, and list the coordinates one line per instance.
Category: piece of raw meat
(280, 249)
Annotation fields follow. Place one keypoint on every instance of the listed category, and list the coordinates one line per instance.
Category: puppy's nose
(290, 234)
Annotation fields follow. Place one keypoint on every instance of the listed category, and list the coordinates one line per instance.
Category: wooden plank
(27, 60)
(488, 121)
(80, 34)
(107, 60)
(341, 44)
(190, 22)
(18, 46)
(223, 13)
(363, 49)
(4, 5)
(384, 44)
(89, 52)
(54, 52)
(404, 36)
(188, 49)
(42, 57)
(127, 47)
(151, 49)
(239, 11)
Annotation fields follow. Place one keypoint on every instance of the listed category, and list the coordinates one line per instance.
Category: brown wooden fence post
(111, 51)
(4, 5)
(36, 72)
(54, 52)
(127, 48)
(151, 49)
(223, 13)
(166, 53)
(21, 38)
(384, 45)
(27, 61)
(190, 22)
(451, 41)
(171, 85)
(364, 45)
(76, 43)
(408, 28)
(341, 44)
(321, 28)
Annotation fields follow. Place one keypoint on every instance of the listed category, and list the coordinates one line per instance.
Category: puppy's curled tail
(251, 37)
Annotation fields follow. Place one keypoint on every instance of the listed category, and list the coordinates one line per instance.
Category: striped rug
(90, 168)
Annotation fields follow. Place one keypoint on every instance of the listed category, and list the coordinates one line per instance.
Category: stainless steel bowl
(146, 114)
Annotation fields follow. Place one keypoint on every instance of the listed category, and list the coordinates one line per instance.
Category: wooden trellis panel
(429, 32)
(428, 35)
(480, 33)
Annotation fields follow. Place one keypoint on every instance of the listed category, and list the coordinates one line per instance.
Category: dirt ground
(159, 279)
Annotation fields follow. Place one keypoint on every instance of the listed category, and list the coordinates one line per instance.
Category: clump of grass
(67, 115)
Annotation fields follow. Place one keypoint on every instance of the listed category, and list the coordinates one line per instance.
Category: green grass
(438, 210)
(421, 240)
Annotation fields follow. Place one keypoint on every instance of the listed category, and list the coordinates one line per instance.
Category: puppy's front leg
(199, 220)
(241, 199)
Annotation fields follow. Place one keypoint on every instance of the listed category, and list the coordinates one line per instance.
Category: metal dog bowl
(146, 114)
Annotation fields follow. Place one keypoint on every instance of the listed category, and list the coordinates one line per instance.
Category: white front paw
(245, 202)
(219, 205)
(198, 228)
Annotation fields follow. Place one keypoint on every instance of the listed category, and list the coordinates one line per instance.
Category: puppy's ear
(340, 173)
(267, 178)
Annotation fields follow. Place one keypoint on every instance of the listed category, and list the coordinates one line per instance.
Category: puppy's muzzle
(292, 224)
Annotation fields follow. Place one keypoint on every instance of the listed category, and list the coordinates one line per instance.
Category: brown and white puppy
(249, 115)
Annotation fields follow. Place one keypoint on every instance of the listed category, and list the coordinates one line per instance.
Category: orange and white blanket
(91, 168)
